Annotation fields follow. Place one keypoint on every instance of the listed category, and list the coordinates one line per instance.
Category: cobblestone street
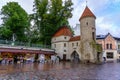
(60, 71)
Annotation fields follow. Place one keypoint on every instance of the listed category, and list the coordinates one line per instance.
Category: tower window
(93, 35)
(86, 23)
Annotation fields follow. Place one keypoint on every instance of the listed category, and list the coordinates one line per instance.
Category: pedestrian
(104, 59)
(0, 60)
(104, 56)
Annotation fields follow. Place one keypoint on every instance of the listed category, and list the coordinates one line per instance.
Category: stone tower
(88, 37)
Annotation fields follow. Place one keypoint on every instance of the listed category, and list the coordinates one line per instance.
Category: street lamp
(13, 39)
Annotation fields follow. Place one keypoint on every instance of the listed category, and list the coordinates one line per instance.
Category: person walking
(104, 56)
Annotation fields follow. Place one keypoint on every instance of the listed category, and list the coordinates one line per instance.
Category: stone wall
(88, 38)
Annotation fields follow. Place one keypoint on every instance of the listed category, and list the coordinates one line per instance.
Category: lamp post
(13, 39)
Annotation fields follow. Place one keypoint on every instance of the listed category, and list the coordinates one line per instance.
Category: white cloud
(28, 6)
(103, 27)
(105, 22)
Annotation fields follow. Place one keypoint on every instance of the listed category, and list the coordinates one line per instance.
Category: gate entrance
(75, 57)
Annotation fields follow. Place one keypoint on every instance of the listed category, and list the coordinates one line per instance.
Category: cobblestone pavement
(60, 71)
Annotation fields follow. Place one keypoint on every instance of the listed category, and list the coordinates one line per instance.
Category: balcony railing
(25, 44)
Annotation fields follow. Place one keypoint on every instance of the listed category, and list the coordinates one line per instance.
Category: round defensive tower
(88, 36)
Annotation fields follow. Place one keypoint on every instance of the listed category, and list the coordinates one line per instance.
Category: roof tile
(87, 13)
(75, 38)
(63, 31)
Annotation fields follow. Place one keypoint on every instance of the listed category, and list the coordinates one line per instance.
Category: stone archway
(75, 57)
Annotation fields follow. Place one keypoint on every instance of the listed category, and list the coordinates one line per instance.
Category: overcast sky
(106, 11)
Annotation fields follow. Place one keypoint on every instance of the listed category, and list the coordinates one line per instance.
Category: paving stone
(108, 71)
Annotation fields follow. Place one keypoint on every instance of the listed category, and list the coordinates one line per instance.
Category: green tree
(49, 16)
(15, 21)
(40, 10)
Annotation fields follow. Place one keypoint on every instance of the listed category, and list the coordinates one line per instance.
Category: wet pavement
(60, 71)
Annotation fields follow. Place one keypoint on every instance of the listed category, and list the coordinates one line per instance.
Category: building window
(72, 44)
(93, 35)
(110, 55)
(77, 44)
(64, 50)
(86, 23)
(55, 45)
(118, 46)
(64, 44)
(110, 46)
(65, 37)
(107, 46)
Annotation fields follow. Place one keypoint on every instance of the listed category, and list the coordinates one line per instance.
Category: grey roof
(100, 37)
(104, 36)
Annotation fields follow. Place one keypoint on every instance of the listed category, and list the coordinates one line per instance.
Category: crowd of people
(21, 59)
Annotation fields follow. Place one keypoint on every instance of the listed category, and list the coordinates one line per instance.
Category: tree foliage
(15, 21)
(49, 15)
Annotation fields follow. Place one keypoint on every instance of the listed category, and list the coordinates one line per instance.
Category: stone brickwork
(88, 37)
(87, 27)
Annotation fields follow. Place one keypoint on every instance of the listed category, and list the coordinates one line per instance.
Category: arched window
(110, 46)
(107, 46)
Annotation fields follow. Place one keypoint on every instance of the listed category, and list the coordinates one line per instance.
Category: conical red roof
(87, 13)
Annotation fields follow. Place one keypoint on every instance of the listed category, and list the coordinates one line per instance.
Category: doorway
(64, 57)
(98, 56)
(75, 57)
